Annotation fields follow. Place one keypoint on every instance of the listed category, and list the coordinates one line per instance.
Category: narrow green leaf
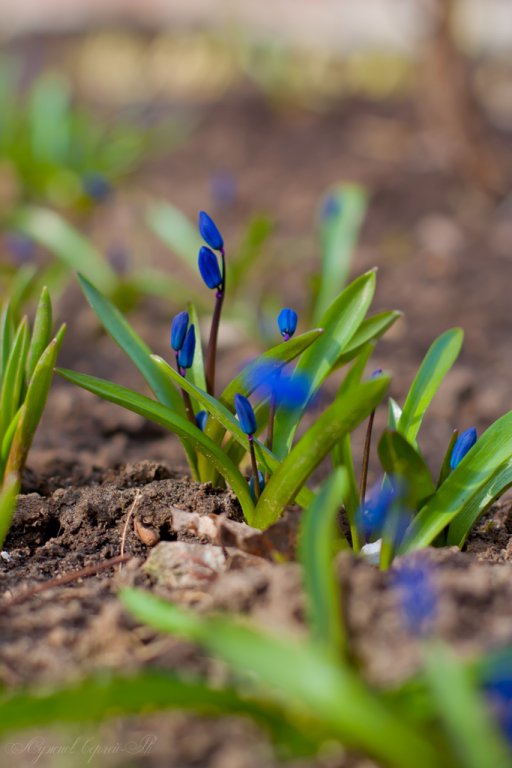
(249, 251)
(339, 419)
(306, 678)
(7, 332)
(167, 418)
(482, 475)
(14, 376)
(8, 494)
(339, 230)
(41, 332)
(319, 532)
(436, 364)
(371, 329)
(105, 696)
(339, 322)
(394, 414)
(465, 715)
(399, 457)
(33, 405)
(51, 231)
(445, 465)
(196, 373)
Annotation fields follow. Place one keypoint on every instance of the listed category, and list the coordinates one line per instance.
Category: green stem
(254, 465)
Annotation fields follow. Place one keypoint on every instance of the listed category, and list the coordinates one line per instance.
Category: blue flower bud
(201, 419)
(179, 330)
(186, 353)
(374, 510)
(464, 442)
(331, 207)
(209, 232)
(287, 322)
(96, 186)
(209, 268)
(376, 373)
(245, 414)
(261, 481)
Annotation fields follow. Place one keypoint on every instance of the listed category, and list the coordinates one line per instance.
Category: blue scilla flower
(373, 511)
(261, 481)
(287, 322)
(179, 330)
(245, 415)
(209, 268)
(417, 594)
(464, 443)
(96, 186)
(287, 389)
(201, 419)
(186, 353)
(209, 232)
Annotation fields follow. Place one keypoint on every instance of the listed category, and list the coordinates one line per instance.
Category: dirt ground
(443, 250)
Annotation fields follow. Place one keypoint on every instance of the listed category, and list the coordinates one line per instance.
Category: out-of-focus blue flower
(376, 373)
(497, 685)
(373, 511)
(463, 444)
(186, 353)
(96, 186)
(209, 232)
(261, 480)
(223, 188)
(289, 390)
(22, 248)
(179, 330)
(331, 207)
(245, 415)
(417, 594)
(118, 258)
(201, 419)
(209, 268)
(287, 322)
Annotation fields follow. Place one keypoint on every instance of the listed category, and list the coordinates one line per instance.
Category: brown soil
(443, 252)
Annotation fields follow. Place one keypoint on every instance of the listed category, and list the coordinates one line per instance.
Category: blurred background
(120, 120)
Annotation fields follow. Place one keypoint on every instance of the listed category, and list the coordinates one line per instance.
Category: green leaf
(248, 252)
(445, 465)
(394, 414)
(14, 376)
(167, 418)
(339, 323)
(399, 457)
(196, 372)
(481, 477)
(371, 329)
(7, 332)
(33, 405)
(41, 332)
(176, 231)
(105, 695)
(339, 419)
(436, 364)
(51, 231)
(8, 494)
(308, 681)
(318, 534)
(339, 231)
(131, 343)
(50, 125)
(464, 713)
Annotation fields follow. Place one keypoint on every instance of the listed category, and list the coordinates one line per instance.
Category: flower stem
(254, 465)
(211, 352)
(187, 402)
(366, 457)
